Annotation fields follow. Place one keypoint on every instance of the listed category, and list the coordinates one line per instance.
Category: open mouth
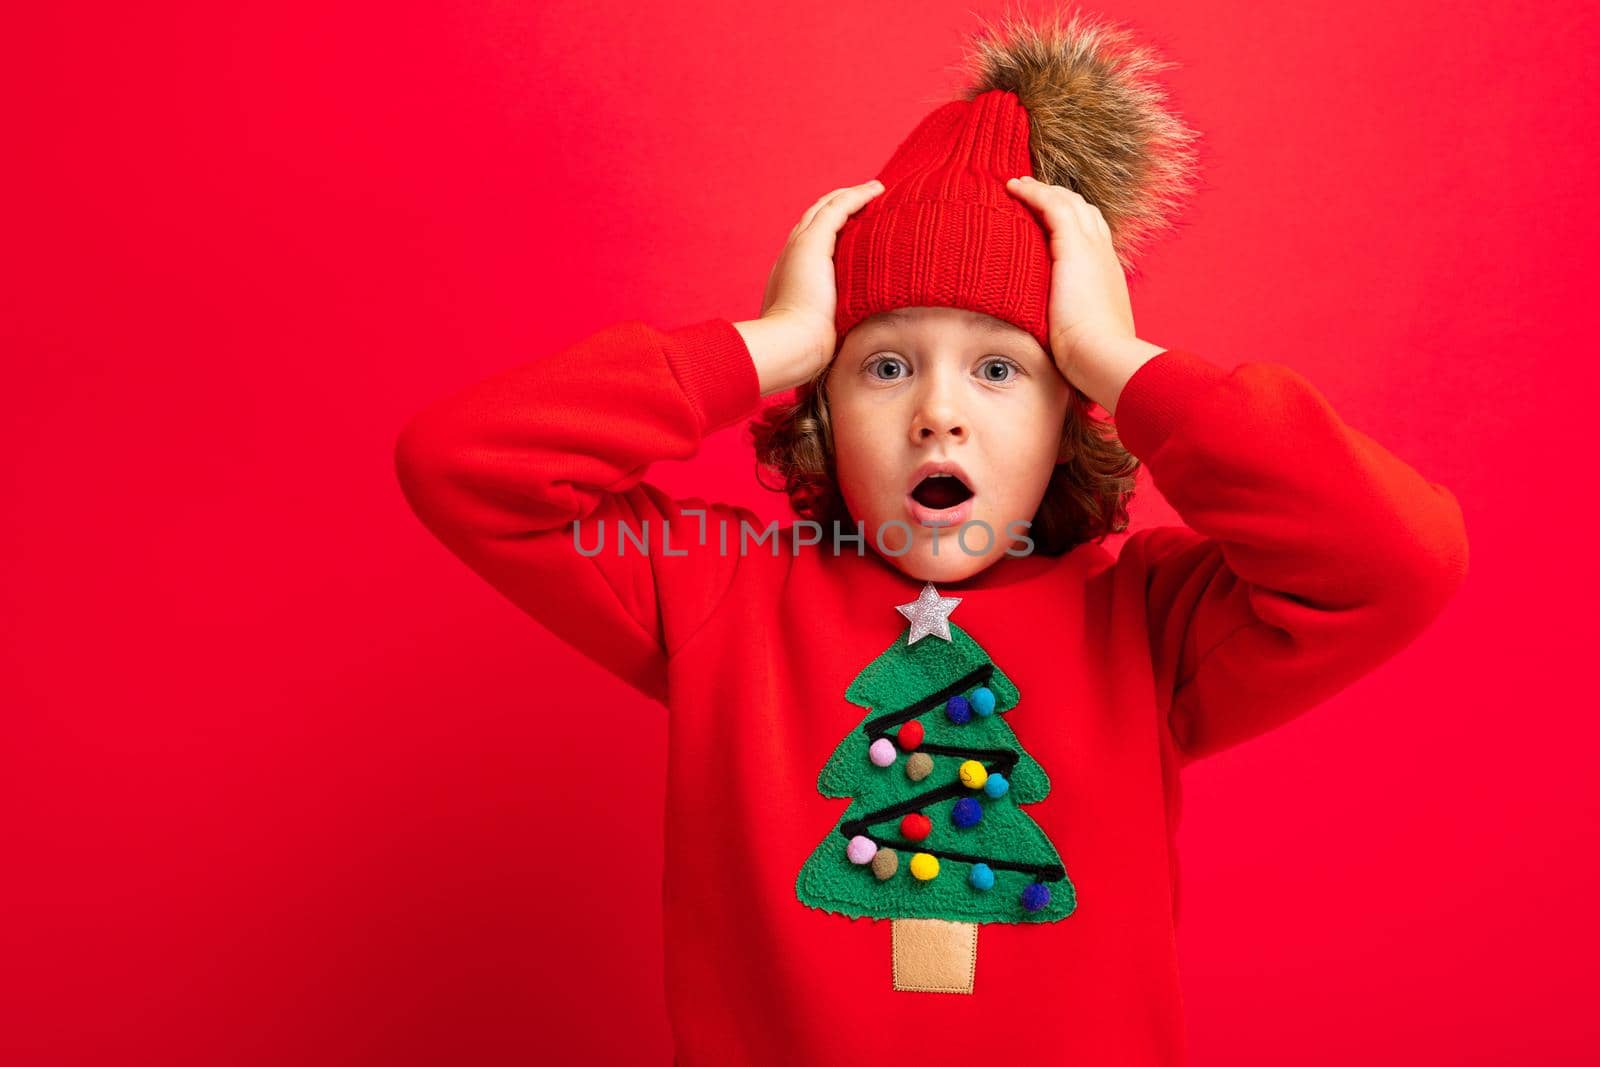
(941, 491)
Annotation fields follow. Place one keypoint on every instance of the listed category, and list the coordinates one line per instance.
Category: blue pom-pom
(958, 709)
(1036, 896)
(967, 812)
(983, 701)
(996, 785)
(981, 877)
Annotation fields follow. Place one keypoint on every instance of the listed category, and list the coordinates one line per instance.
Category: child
(1013, 765)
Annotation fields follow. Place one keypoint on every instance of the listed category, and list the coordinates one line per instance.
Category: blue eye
(1000, 362)
(872, 368)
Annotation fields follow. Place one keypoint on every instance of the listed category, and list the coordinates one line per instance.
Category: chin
(950, 565)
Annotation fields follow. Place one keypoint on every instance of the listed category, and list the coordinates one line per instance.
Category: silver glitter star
(929, 614)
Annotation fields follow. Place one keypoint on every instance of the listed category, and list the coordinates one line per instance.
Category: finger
(1093, 221)
(1031, 185)
(851, 197)
(1038, 192)
(1082, 211)
(840, 205)
(1051, 201)
(1030, 191)
(811, 211)
(1090, 215)
(1060, 205)
(843, 204)
(1028, 181)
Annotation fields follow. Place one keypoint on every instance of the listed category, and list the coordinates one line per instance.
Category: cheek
(858, 473)
(1030, 450)
(863, 459)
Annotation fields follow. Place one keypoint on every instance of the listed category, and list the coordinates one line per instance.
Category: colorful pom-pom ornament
(973, 774)
(919, 766)
(924, 867)
(981, 877)
(983, 701)
(916, 826)
(996, 786)
(966, 812)
(881, 752)
(885, 863)
(861, 849)
(958, 709)
(1036, 896)
(910, 735)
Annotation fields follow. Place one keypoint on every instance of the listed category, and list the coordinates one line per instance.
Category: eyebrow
(984, 325)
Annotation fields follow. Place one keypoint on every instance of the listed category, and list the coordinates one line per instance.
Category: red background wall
(272, 758)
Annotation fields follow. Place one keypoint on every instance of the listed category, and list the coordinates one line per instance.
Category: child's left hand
(1089, 306)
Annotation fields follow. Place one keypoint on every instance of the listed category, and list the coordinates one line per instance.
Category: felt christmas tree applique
(934, 839)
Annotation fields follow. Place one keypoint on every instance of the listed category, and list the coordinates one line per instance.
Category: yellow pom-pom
(973, 774)
(924, 867)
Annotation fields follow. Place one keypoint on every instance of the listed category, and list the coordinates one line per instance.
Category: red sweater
(1310, 555)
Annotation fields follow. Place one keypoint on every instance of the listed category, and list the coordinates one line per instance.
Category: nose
(938, 411)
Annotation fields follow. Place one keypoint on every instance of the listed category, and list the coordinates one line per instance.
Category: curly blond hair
(1086, 499)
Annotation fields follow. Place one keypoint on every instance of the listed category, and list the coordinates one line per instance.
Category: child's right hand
(795, 337)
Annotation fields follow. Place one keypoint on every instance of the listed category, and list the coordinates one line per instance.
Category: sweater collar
(1007, 570)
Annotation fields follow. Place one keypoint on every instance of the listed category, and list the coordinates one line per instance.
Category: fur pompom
(1097, 124)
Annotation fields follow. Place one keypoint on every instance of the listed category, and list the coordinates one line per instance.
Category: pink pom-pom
(882, 752)
(861, 849)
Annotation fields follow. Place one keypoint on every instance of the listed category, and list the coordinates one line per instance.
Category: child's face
(926, 384)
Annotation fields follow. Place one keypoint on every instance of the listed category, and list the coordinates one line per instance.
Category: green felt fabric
(914, 681)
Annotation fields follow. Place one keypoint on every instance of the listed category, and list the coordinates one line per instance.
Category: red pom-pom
(916, 826)
(910, 735)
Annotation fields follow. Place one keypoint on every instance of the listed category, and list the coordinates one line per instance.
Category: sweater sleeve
(1309, 555)
(533, 477)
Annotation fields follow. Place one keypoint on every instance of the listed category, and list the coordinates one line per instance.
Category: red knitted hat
(1069, 104)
